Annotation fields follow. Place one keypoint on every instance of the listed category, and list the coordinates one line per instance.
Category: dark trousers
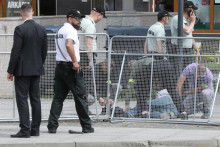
(185, 62)
(25, 85)
(177, 60)
(66, 79)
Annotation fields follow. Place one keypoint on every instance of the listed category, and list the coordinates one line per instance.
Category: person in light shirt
(205, 90)
(69, 75)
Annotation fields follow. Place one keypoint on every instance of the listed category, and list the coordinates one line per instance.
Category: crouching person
(205, 91)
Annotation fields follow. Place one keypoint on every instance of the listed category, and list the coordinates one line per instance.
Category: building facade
(208, 14)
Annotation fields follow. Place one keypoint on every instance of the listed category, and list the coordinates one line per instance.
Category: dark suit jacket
(29, 50)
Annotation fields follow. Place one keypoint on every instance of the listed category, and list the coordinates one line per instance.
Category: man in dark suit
(26, 65)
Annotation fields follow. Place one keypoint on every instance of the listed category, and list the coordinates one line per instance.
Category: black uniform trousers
(66, 79)
(185, 62)
(25, 85)
(176, 60)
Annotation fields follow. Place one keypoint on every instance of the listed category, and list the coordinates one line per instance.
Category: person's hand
(101, 101)
(110, 101)
(185, 92)
(89, 67)
(10, 77)
(76, 66)
(192, 17)
(127, 107)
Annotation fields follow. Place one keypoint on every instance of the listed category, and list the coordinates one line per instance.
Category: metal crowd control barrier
(128, 50)
(7, 96)
(114, 83)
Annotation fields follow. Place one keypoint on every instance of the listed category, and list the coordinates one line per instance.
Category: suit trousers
(25, 85)
(66, 79)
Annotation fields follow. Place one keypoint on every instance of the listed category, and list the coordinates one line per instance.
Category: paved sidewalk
(125, 134)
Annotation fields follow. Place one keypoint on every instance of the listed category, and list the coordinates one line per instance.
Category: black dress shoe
(20, 135)
(35, 133)
(52, 131)
(91, 130)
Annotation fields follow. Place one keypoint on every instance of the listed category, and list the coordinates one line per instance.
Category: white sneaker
(172, 115)
(144, 114)
(165, 115)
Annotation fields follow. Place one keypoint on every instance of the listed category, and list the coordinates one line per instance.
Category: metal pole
(38, 7)
(195, 96)
(153, 6)
(151, 83)
(56, 7)
(180, 18)
(180, 33)
(109, 74)
(91, 5)
(213, 102)
(94, 85)
(14, 99)
(119, 81)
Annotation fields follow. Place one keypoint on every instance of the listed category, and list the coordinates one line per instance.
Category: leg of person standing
(34, 93)
(163, 70)
(60, 93)
(22, 84)
(77, 85)
(142, 88)
(174, 60)
(187, 60)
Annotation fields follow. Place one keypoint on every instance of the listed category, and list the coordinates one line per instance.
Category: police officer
(88, 26)
(68, 75)
(162, 69)
(189, 19)
(156, 42)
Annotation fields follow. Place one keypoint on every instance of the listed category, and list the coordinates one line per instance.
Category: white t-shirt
(66, 32)
(88, 27)
(187, 43)
(156, 30)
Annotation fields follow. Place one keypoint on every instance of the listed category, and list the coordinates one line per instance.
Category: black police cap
(100, 9)
(74, 13)
(190, 4)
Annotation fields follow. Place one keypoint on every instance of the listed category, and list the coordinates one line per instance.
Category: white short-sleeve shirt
(64, 33)
(89, 27)
(187, 43)
(156, 30)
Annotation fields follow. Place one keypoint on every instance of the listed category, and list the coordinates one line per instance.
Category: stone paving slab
(116, 135)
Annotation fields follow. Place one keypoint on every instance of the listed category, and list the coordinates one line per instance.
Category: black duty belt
(64, 63)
